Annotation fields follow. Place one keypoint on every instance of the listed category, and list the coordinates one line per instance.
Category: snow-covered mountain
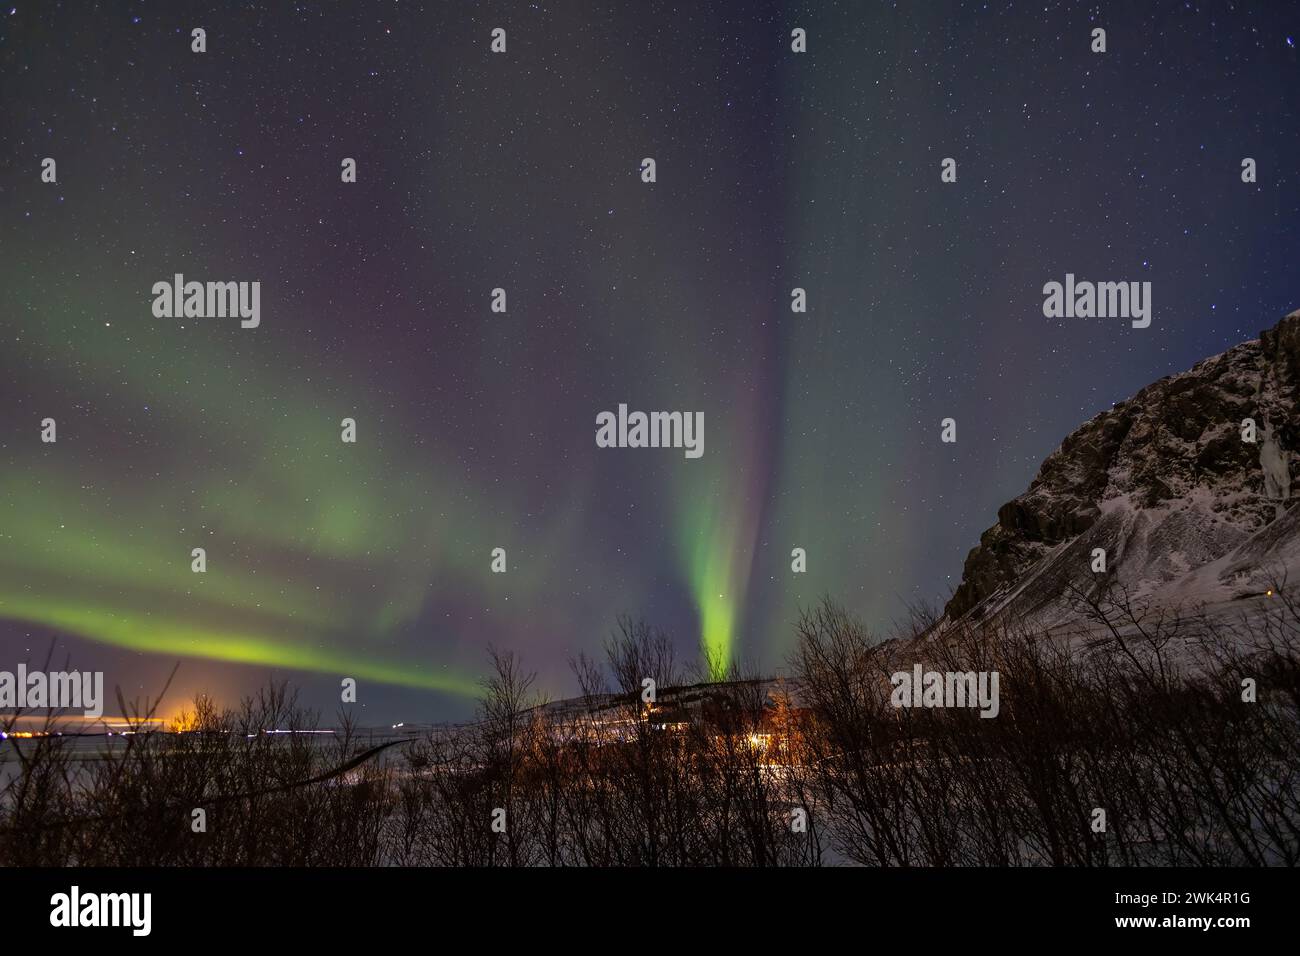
(1187, 509)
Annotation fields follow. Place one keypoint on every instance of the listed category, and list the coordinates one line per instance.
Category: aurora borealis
(519, 171)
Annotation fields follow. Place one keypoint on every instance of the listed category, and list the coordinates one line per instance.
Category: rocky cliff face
(1164, 482)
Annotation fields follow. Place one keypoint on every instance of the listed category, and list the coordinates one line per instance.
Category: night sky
(521, 170)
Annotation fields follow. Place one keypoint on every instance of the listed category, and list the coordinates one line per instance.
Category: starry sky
(521, 170)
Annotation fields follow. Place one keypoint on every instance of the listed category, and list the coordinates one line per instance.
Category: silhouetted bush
(1140, 714)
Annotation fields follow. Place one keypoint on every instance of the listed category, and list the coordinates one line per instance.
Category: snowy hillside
(1187, 509)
